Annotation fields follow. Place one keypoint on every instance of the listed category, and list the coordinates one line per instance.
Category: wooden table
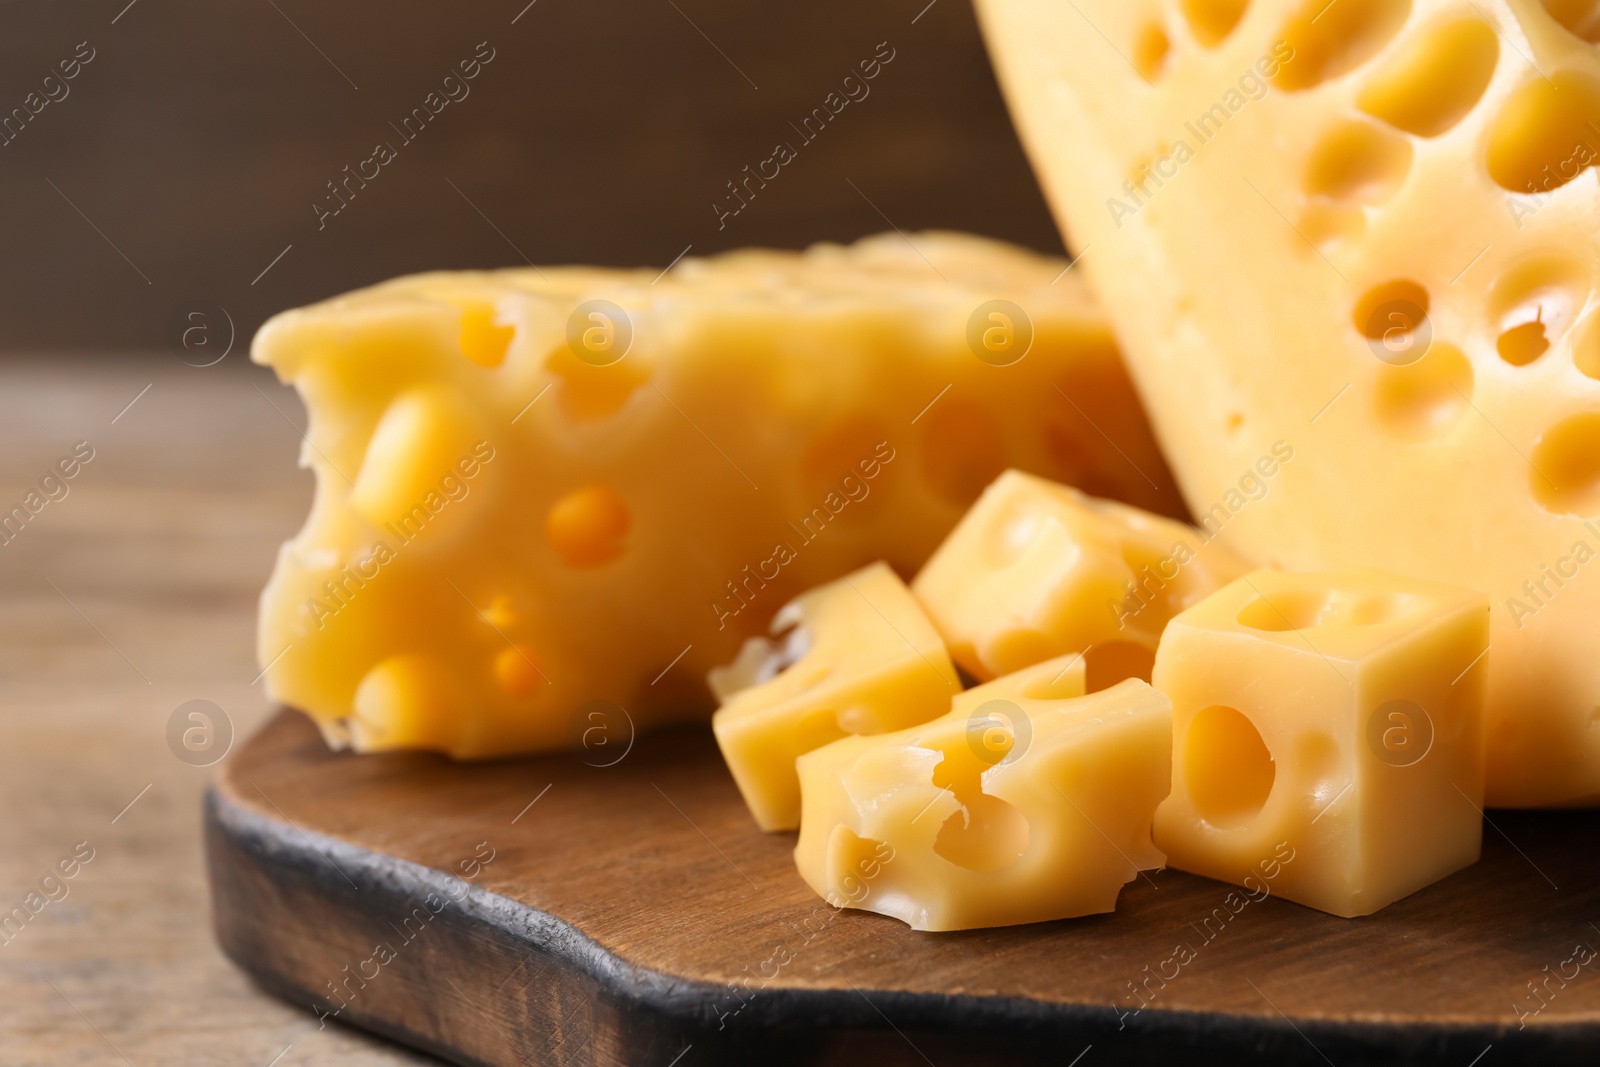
(129, 596)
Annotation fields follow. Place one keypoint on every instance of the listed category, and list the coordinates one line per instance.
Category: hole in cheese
(1227, 768)
(482, 341)
(516, 671)
(1581, 17)
(406, 701)
(1566, 466)
(588, 392)
(1435, 79)
(1115, 661)
(1287, 611)
(1522, 344)
(418, 440)
(1010, 536)
(1150, 50)
(1533, 305)
(1302, 610)
(1211, 21)
(1357, 160)
(588, 526)
(1396, 305)
(987, 834)
(1542, 137)
(1422, 398)
(1331, 39)
(963, 450)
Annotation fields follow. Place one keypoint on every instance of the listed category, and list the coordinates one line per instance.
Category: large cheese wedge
(1369, 229)
(548, 501)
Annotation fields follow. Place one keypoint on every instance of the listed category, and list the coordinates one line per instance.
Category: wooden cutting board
(549, 911)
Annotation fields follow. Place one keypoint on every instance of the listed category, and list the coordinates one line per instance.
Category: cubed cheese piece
(1336, 718)
(538, 489)
(1027, 802)
(1368, 230)
(855, 656)
(1037, 569)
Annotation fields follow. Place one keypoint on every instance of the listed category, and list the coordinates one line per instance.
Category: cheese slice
(855, 656)
(1332, 722)
(1037, 569)
(1367, 229)
(1028, 801)
(542, 489)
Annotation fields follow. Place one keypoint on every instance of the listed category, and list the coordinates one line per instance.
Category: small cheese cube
(855, 656)
(1027, 802)
(538, 488)
(1338, 717)
(1037, 569)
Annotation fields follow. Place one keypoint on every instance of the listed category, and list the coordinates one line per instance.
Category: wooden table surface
(122, 600)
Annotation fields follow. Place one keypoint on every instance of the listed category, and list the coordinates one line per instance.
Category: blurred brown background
(185, 156)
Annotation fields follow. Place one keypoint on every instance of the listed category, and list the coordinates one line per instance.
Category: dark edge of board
(281, 894)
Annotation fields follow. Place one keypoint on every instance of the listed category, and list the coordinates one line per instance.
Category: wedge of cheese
(1368, 229)
(537, 490)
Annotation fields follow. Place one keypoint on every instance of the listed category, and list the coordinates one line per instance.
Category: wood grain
(133, 594)
(622, 912)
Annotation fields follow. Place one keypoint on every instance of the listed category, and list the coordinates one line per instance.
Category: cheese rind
(1336, 718)
(854, 656)
(1027, 802)
(541, 488)
(1256, 219)
(1036, 570)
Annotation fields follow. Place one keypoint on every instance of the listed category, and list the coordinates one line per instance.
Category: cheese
(855, 656)
(1332, 722)
(1026, 802)
(1036, 570)
(1368, 229)
(538, 489)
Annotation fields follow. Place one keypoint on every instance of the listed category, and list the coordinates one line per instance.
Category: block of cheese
(1028, 801)
(854, 656)
(1338, 715)
(1370, 229)
(539, 489)
(1037, 570)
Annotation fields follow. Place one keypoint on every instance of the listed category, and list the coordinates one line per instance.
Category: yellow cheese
(1369, 229)
(1330, 722)
(541, 489)
(1036, 570)
(1027, 802)
(855, 656)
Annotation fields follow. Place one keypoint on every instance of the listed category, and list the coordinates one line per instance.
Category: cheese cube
(537, 489)
(1027, 802)
(1036, 570)
(1336, 718)
(855, 656)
